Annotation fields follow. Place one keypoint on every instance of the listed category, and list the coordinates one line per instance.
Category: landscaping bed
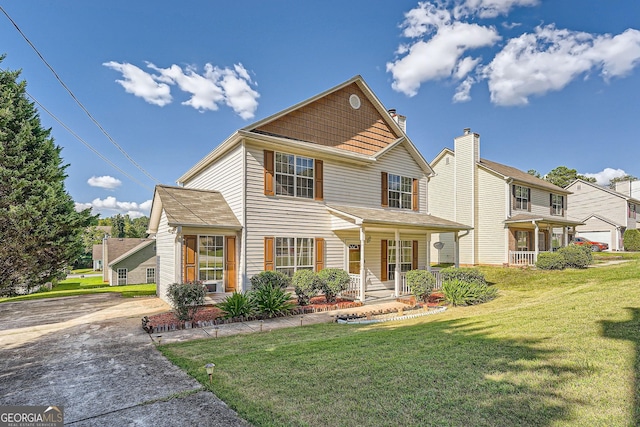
(212, 315)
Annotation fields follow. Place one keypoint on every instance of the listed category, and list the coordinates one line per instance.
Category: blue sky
(545, 83)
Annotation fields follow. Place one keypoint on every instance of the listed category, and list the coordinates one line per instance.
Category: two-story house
(333, 181)
(512, 215)
(606, 213)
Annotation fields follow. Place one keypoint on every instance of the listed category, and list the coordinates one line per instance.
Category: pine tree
(40, 231)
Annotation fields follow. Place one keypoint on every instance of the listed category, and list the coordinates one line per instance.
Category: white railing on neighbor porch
(404, 288)
(523, 258)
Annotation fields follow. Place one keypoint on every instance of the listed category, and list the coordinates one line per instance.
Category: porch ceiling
(394, 218)
(522, 219)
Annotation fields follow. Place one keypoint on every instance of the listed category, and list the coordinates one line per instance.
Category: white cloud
(440, 55)
(490, 8)
(141, 84)
(551, 58)
(107, 182)
(111, 206)
(528, 65)
(607, 174)
(215, 86)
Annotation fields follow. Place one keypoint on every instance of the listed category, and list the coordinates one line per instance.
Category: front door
(354, 259)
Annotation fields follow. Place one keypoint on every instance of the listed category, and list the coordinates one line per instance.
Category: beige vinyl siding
(225, 176)
(491, 215)
(442, 204)
(465, 190)
(168, 259)
(540, 202)
(587, 200)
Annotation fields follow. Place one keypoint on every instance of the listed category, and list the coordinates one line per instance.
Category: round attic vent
(354, 101)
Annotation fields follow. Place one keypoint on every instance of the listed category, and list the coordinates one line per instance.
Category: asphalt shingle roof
(185, 206)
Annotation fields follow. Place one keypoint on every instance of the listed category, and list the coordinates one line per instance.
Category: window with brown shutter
(268, 172)
(319, 181)
(385, 190)
(383, 260)
(414, 254)
(269, 253)
(230, 276)
(319, 254)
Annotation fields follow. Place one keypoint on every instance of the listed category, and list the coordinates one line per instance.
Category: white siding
(490, 226)
(587, 200)
(168, 259)
(442, 204)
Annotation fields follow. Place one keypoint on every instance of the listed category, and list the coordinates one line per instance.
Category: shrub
(469, 275)
(458, 292)
(306, 284)
(271, 301)
(186, 299)
(420, 283)
(631, 240)
(576, 256)
(550, 261)
(273, 279)
(332, 282)
(237, 305)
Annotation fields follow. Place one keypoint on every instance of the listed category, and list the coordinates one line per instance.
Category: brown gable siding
(330, 121)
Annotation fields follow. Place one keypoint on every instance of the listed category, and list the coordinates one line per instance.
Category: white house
(512, 215)
(333, 181)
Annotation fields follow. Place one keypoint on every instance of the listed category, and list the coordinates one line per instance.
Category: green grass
(86, 285)
(556, 348)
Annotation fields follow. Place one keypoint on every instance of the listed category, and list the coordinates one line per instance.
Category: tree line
(563, 176)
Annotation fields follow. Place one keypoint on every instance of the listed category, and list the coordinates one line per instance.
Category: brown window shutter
(319, 180)
(319, 254)
(414, 194)
(563, 207)
(529, 199)
(414, 254)
(551, 204)
(513, 197)
(268, 172)
(383, 260)
(385, 190)
(190, 259)
(230, 276)
(269, 254)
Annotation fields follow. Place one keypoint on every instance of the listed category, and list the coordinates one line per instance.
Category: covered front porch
(530, 235)
(381, 245)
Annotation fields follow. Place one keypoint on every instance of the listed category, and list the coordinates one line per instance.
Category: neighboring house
(333, 181)
(127, 260)
(630, 188)
(136, 266)
(606, 213)
(96, 253)
(513, 215)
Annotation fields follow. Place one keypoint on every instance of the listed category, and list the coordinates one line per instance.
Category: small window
(557, 204)
(632, 210)
(400, 191)
(522, 240)
(151, 275)
(294, 175)
(521, 195)
(122, 276)
(406, 257)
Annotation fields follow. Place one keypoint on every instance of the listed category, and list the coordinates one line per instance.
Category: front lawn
(555, 348)
(86, 285)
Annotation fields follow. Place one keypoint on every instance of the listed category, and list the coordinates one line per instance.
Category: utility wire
(79, 138)
(77, 100)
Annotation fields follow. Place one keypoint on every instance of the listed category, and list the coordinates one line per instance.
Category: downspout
(507, 210)
(243, 244)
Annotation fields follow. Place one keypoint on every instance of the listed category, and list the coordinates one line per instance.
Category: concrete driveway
(90, 355)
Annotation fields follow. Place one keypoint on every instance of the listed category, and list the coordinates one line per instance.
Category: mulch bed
(212, 315)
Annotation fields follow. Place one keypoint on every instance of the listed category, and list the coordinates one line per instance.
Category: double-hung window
(400, 191)
(632, 210)
(293, 253)
(522, 240)
(294, 175)
(521, 197)
(210, 258)
(405, 257)
(557, 204)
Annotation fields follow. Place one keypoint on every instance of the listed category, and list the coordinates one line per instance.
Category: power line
(79, 138)
(78, 101)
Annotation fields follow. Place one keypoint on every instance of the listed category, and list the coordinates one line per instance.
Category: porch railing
(523, 258)
(404, 288)
(353, 291)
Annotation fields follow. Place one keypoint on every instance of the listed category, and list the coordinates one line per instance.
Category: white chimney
(400, 120)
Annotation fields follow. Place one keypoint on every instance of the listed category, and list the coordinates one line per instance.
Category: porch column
(565, 236)
(536, 240)
(398, 279)
(456, 250)
(363, 273)
(428, 266)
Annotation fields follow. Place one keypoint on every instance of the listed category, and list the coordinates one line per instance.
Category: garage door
(598, 236)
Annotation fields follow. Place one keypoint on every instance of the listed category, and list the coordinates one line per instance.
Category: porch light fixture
(209, 367)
